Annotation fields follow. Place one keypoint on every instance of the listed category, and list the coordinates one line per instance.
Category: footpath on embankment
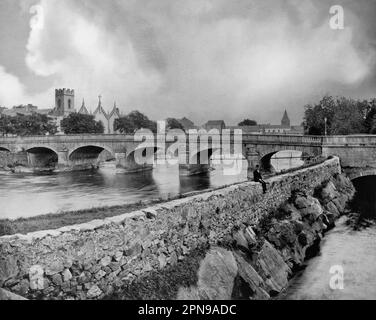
(234, 242)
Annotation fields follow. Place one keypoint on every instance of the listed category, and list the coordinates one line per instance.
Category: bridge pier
(129, 165)
(62, 159)
(193, 169)
(190, 166)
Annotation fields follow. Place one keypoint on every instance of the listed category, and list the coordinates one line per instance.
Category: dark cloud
(202, 58)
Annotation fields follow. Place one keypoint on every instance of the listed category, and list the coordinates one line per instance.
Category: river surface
(347, 257)
(345, 268)
(27, 195)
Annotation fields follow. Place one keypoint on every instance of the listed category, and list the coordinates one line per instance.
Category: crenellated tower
(64, 102)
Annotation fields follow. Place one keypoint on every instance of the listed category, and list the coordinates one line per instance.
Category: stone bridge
(69, 152)
(357, 153)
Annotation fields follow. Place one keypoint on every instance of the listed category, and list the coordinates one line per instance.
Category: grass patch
(58, 220)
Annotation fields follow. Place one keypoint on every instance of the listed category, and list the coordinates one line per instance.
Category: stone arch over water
(42, 157)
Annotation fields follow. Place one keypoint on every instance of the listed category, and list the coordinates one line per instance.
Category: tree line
(340, 116)
(27, 125)
(37, 124)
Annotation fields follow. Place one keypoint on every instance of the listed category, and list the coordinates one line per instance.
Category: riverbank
(133, 254)
(255, 262)
(55, 220)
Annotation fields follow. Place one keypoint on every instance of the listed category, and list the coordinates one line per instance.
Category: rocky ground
(258, 261)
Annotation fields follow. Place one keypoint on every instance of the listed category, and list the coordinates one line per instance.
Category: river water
(346, 266)
(27, 195)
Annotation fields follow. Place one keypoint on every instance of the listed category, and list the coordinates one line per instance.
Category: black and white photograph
(197, 152)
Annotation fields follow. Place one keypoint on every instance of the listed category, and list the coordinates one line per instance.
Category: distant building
(24, 110)
(64, 106)
(64, 102)
(215, 124)
(284, 128)
(108, 120)
(187, 124)
(258, 129)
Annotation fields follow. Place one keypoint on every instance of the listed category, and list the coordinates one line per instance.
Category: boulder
(240, 240)
(329, 192)
(216, 277)
(249, 275)
(309, 207)
(272, 268)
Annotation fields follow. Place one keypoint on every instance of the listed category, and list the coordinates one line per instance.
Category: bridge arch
(91, 153)
(42, 157)
(362, 173)
(266, 160)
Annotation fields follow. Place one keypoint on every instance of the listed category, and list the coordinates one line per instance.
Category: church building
(65, 105)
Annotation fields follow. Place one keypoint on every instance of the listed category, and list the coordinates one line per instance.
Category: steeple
(83, 109)
(286, 120)
(115, 111)
(100, 109)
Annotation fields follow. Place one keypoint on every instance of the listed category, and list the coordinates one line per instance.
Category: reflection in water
(353, 250)
(26, 195)
(23, 195)
(284, 160)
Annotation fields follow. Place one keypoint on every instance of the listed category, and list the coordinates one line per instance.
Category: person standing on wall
(257, 177)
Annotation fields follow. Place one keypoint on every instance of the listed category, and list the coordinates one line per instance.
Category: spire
(286, 120)
(100, 109)
(115, 111)
(83, 109)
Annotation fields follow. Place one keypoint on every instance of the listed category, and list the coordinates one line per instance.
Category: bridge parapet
(358, 140)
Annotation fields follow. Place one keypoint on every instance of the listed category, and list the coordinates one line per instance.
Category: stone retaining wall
(89, 261)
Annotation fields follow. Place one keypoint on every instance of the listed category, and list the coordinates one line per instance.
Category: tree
(173, 123)
(133, 122)
(27, 125)
(247, 123)
(348, 117)
(344, 116)
(369, 121)
(77, 123)
(314, 119)
(6, 126)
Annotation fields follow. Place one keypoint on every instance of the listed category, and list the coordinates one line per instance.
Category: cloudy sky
(204, 59)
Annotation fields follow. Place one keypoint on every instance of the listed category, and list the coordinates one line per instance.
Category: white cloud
(198, 58)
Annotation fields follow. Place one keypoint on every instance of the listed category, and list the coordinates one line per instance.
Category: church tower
(286, 120)
(64, 102)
